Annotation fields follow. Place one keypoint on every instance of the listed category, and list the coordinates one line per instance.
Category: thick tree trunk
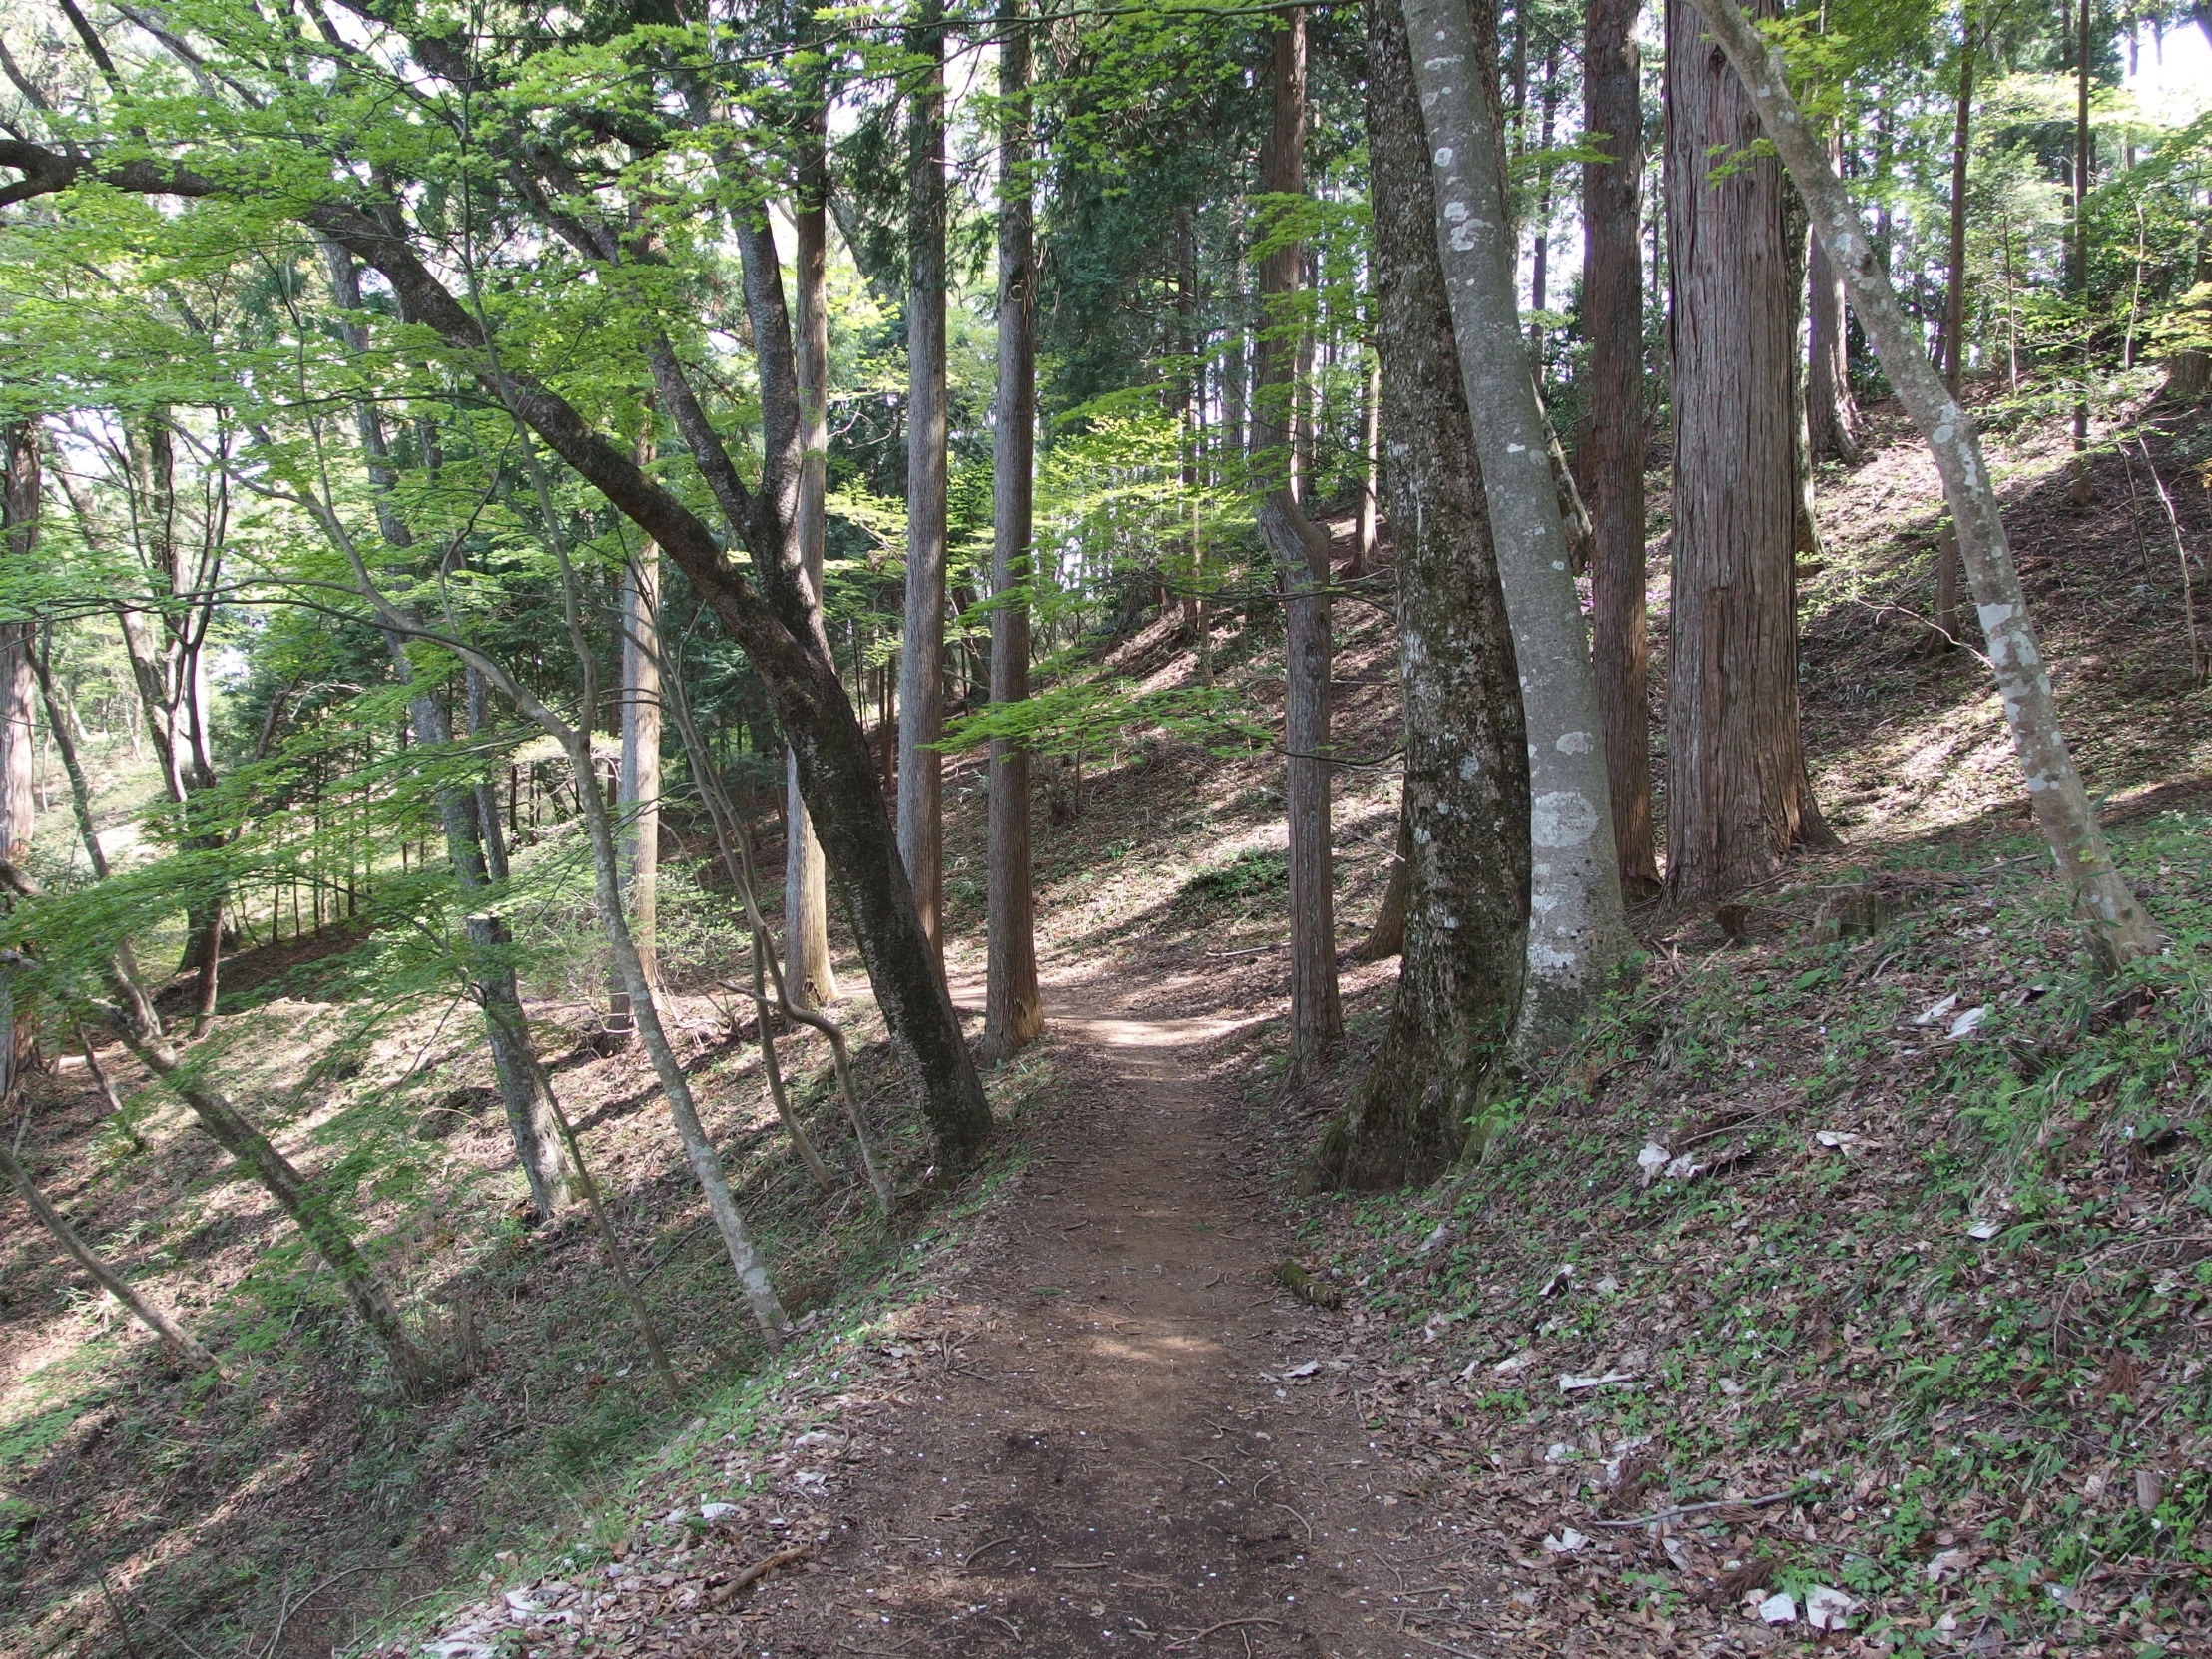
(1463, 832)
(1614, 443)
(420, 1373)
(179, 1345)
(1737, 799)
(921, 643)
(1301, 552)
(809, 975)
(1013, 1010)
(1578, 934)
(638, 784)
(2118, 926)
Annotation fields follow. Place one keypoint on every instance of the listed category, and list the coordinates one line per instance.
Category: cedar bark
(1464, 818)
(2120, 929)
(1737, 794)
(1013, 1010)
(1614, 443)
(922, 644)
(1578, 934)
(1300, 551)
(809, 975)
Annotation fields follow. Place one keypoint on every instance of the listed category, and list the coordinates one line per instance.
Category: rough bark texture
(1013, 1011)
(1466, 811)
(1737, 800)
(2118, 926)
(1577, 932)
(19, 491)
(638, 784)
(808, 976)
(1301, 552)
(1614, 442)
(921, 642)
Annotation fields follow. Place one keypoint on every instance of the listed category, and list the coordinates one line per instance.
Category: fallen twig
(1226, 1624)
(1657, 1516)
(983, 1549)
(760, 1569)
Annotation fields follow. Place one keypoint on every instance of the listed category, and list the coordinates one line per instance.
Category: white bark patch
(1468, 766)
(1444, 155)
(1563, 818)
(1573, 743)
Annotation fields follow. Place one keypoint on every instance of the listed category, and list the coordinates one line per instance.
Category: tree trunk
(638, 785)
(1300, 551)
(2119, 928)
(1613, 445)
(1387, 938)
(419, 1375)
(19, 495)
(1830, 412)
(1948, 571)
(809, 974)
(64, 743)
(1578, 934)
(179, 1345)
(1737, 800)
(1463, 829)
(2081, 490)
(1013, 1010)
(922, 644)
(1370, 481)
(1539, 258)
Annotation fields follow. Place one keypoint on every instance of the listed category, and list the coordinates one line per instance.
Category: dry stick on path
(2120, 927)
(2181, 552)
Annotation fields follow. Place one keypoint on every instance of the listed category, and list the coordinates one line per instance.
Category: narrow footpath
(1134, 1440)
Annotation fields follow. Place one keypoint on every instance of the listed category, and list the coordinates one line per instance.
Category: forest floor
(1863, 1248)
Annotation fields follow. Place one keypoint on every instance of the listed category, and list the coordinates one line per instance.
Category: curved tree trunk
(1613, 445)
(1013, 1011)
(2118, 926)
(1466, 812)
(1578, 934)
(1737, 799)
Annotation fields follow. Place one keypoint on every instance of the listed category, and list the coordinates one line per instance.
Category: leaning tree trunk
(1013, 1011)
(1577, 934)
(2118, 926)
(1613, 443)
(1466, 808)
(1737, 798)
(809, 974)
(182, 1347)
(922, 644)
(420, 1373)
(1300, 551)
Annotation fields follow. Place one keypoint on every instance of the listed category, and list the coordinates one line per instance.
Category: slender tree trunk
(419, 1375)
(1737, 799)
(1387, 938)
(808, 971)
(1013, 1010)
(1539, 260)
(2119, 928)
(1948, 568)
(922, 644)
(182, 1347)
(1370, 481)
(477, 713)
(1464, 819)
(1832, 411)
(1301, 552)
(19, 498)
(1614, 442)
(2081, 490)
(1578, 934)
(638, 786)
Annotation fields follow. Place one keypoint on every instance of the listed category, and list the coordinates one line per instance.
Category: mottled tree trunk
(922, 644)
(1466, 810)
(638, 784)
(1577, 934)
(809, 979)
(2119, 928)
(1013, 1011)
(1737, 799)
(1614, 442)
(1301, 552)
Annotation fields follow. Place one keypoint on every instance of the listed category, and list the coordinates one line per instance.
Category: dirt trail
(1114, 1454)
